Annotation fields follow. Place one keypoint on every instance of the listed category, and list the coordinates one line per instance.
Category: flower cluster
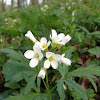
(44, 8)
(52, 59)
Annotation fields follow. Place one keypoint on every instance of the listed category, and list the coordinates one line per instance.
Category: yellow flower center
(36, 55)
(57, 39)
(44, 45)
(51, 58)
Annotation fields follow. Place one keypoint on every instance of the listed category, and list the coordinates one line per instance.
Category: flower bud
(30, 36)
(42, 73)
(66, 39)
(65, 87)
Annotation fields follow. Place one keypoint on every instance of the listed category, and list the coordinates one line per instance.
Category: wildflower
(52, 60)
(60, 38)
(1, 40)
(30, 36)
(67, 3)
(64, 60)
(13, 39)
(18, 37)
(73, 13)
(6, 20)
(43, 9)
(43, 43)
(6, 23)
(46, 6)
(42, 73)
(73, 3)
(35, 55)
(69, 7)
(61, 57)
(14, 20)
(62, 8)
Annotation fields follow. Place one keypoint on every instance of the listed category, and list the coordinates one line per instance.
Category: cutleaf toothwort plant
(49, 64)
(52, 59)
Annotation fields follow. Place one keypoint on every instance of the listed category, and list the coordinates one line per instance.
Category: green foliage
(73, 86)
(60, 89)
(95, 50)
(30, 84)
(30, 96)
(93, 83)
(74, 95)
(83, 27)
(16, 69)
(89, 71)
(90, 93)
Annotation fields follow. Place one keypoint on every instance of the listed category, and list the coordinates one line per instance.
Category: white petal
(49, 54)
(30, 36)
(57, 57)
(54, 64)
(66, 39)
(61, 36)
(36, 47)
(34, 62)
(47, 64)
(49, 42)
(63, 55)
(40, 55)
(62, 43)
(42, 73)
(53, 39)
(29, 54)
(66, 61)
(54, 33)
(43, 40)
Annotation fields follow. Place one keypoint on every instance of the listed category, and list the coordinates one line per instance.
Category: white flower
(6, 20)
(43, 9)
(35, 55)
(43, 43)
(61, 57)
(18, 37)
(67, 3)
(73, 13)
(64, 60)
(14, 20)
(6, 23)
(52, 60)
(60, 38)
(62, 8)
(30, 36)
(69, 7)
(1, 40)
(46, 6)
(13, 39)
(42, 73)
(73, 3)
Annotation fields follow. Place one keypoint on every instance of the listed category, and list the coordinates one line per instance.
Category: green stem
(53, 88)
(50, 97)
(47, 89)
(45, 85)
(47, 79)
(50, 49)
